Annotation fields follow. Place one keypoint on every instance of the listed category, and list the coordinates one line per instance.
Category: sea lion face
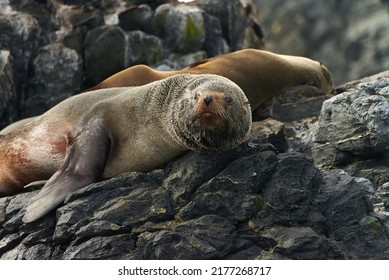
(212, 115)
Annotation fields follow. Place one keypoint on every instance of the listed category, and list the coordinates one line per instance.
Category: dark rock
(137, 18)
(39, 10)
(56, 76)
(208, 237)
(142, 48)
(105, 49)
(298, 103)
(109, 49)
(349, 216)
(7, 90)
(354, 127)
(76, 21)
(179, 61)
(79, 2)
(180, 26)
(269, 131)
(233, 205)
(300, 243)
(102, 248)
(214, 43)
(21, 35)
(289, 193)
(238, 20)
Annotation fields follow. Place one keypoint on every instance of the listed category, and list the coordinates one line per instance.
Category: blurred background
(351, 37)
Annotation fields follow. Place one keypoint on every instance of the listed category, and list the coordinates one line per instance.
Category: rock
(191, 240)
(75, 22)
(239, 21)
(269, 131)
(279, 207)
(7, 90)
(347, 204)
(289, 193)
(214, 44)
(180, 26)
(78, 2)
(52, 79)
(179, 61)
(137, 18)
(299, 243)
(354, 127)
(298, 103)
(21, 35)
(105, 49)
(142, 48)
(109, 49)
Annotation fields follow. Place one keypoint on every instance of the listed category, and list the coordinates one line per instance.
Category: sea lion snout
(208, 99)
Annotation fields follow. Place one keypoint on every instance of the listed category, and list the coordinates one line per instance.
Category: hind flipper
(35, 184)
(84, 164)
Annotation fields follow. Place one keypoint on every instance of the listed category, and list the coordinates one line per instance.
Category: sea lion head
(210, 114)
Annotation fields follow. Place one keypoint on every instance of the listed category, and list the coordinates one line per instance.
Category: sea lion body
(260, 74)
(108, 132)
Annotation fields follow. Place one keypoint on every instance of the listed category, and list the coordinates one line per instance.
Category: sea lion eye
(196, 96)
(228, 100)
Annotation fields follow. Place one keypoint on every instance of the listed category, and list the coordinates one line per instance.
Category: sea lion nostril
(208, 99)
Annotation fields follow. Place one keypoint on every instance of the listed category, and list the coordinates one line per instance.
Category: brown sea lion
(260, 74)
(107, 132)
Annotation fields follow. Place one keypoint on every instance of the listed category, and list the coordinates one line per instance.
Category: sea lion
(107, 132)
(260, 74)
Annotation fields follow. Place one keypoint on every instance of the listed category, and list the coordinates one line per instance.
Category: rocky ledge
(243, 204)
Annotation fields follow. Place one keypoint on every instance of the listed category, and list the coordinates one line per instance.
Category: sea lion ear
(84, 163)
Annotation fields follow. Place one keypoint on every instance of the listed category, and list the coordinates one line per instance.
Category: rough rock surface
(353, 131)
(243, 204)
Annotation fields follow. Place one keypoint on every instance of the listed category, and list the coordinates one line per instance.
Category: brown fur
(260, 74)
(108, 132)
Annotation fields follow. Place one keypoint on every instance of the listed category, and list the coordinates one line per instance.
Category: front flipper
(84, 164)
